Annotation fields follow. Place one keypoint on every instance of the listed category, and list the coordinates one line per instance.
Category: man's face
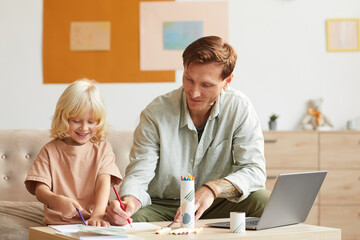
(203, 84)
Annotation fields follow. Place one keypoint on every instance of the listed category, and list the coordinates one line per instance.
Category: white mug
(237, 222)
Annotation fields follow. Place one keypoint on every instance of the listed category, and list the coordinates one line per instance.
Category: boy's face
(81, 129)
(202, 85)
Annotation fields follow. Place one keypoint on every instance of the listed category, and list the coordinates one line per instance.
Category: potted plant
(272, 122)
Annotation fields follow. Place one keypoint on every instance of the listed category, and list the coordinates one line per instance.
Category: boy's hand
(66, 206)
(98, 222)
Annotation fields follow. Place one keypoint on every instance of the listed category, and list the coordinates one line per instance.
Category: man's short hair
(211, 49)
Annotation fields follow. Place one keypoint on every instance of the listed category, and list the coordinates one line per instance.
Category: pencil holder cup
(237, 222)
(187, 204)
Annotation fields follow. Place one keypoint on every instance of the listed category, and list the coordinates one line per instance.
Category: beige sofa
(18, 149)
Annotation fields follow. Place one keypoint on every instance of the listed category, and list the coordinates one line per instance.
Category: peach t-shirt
(72, 171)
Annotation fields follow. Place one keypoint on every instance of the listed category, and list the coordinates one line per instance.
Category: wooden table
(292, 232)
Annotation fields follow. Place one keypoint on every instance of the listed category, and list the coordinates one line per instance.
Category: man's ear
(228, 80)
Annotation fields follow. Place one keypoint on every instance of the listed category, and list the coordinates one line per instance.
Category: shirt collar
(185, 118)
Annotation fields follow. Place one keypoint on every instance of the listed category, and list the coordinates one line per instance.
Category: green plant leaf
(273, 117)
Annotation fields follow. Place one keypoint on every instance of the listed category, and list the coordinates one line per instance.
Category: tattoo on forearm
(224, 189)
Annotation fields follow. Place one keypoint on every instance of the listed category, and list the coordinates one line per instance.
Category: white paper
(87, 237)
(66, 228)
(137, 226)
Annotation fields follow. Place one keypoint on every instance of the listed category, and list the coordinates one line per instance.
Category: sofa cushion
(17, 217)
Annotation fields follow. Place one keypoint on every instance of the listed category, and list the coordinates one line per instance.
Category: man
(203, 129)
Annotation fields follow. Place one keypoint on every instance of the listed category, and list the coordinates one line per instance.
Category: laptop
(289, 203)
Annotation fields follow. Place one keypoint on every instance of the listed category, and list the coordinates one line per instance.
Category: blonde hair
(79, 97)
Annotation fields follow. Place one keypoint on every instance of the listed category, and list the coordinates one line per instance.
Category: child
(77, 168)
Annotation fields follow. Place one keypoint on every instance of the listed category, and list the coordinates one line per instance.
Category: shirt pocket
(219, 159)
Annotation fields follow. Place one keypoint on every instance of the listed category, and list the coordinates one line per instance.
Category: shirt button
(192, 160)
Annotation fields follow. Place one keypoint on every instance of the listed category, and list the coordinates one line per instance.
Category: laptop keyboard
(252, 222)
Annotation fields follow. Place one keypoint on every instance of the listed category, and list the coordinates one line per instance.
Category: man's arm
(144, 156)
(222, 188)
(248, 172)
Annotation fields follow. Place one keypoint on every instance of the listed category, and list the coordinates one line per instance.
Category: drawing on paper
(178, 35)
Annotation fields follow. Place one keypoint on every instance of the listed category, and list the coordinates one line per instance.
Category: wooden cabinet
(342, 187)
(345, 217)
(289, 152)
(340, 194)
(338, 152)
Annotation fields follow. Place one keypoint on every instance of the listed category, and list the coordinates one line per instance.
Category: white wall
(282, 63)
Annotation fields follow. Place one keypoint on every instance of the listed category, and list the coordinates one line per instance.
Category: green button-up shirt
(166, 147)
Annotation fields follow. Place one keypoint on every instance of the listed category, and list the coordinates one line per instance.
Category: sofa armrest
(17, 217)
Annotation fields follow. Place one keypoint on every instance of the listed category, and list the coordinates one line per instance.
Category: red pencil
(121, 204)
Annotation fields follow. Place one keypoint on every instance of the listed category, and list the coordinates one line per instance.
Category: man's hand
(204, 197)
(116, 216)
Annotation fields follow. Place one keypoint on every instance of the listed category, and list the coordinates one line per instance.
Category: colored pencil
(170, 224)
(82, 218)
(121, 204)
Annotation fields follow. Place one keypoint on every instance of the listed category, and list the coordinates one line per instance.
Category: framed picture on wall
(168, 27)
(343, 34)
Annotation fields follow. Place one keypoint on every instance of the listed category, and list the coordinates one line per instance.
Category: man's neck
(199, 118)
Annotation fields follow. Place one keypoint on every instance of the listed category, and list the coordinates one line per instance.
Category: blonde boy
(76, 169)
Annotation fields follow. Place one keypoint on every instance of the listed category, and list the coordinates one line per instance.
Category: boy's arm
(65, 205)
(102, 192)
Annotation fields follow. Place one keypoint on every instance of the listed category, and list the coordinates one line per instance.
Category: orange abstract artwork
(90, 36)
(94, 39)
